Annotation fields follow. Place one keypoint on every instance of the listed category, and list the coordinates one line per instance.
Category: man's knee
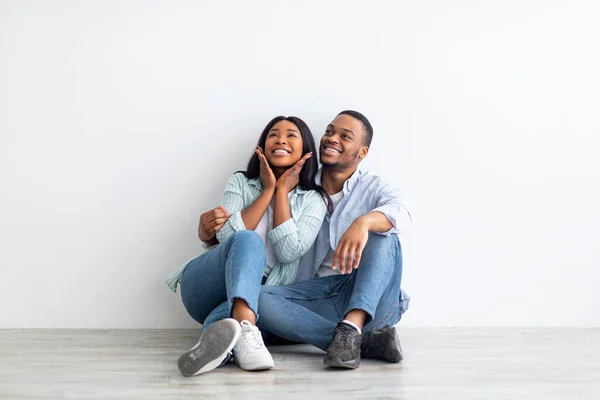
(380, 244)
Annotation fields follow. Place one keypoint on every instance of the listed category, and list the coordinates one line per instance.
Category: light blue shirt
(290, 240)
(363, 193)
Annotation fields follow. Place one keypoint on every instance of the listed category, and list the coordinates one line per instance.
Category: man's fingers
(336, 258)
(221, 221)
(358, 256)
(215, 215)
(216, 228)
(343, 258)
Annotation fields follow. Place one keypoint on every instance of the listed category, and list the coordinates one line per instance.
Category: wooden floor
(440, 364)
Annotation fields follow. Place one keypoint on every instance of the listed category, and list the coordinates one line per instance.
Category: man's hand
(291, 177)
(352, 243)
(210, 223)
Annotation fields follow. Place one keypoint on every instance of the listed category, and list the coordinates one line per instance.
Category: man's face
(342, 144)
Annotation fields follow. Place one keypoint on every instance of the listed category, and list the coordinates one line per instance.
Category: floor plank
(440, 364)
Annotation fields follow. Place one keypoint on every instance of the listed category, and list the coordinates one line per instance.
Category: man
(349, 280)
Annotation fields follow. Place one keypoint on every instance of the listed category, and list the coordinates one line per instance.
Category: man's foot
(344, 350)
(212, 349)
(382, 344)
(250, 352)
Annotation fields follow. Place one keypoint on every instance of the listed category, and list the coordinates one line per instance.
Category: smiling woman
(269, 217)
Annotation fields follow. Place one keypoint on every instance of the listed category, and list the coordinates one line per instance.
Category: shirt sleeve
(291, 239)
(233, 201)
(390, 203)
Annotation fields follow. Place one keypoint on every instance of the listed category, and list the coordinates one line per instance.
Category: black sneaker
(344, 350)
(382, 344)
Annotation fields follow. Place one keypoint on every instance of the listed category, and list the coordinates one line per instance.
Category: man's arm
(390, 216)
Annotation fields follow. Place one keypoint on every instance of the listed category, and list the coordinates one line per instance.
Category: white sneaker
(250, 352)
(217, 341)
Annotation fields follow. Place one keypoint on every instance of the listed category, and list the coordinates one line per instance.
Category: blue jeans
(308, 311)
(232, 270)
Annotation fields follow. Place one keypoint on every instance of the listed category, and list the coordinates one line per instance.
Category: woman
(276, 211)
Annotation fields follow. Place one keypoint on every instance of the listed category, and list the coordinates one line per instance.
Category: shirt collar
(348, 185)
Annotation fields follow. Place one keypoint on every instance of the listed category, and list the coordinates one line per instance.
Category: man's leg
(309, 311)
(375, 288)
(371, 299)
(303, 312)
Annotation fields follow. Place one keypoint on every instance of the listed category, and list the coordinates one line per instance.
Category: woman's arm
(286, 182)
(291, 239)
(252, 215)
(246, 218)
(281, 211)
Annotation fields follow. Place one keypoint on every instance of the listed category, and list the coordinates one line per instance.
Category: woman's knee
(247, 237)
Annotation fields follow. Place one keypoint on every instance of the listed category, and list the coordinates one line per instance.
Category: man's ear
(363, 152)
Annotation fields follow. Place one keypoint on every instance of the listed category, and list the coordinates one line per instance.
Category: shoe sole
(256, 366)
(209, 353)
(336, 362)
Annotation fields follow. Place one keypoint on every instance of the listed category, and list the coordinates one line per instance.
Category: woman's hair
(311, 166)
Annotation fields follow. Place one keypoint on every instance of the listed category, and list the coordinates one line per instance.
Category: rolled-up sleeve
(390, 203)
(292, 238)
(233, 201)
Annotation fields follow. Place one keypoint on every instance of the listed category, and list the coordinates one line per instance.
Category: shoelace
(343, 334)
(252, 338)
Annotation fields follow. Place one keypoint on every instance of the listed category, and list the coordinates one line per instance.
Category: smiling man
(347, 296)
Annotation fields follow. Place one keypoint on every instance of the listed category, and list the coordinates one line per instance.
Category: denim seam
(387, 316)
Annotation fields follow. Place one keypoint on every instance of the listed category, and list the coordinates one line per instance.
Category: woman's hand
(266, 174)
(290, 178)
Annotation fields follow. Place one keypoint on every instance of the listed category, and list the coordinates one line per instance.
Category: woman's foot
(250, 352)
(212, 349)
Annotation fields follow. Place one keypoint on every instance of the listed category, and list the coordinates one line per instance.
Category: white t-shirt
(265, 225)
(325, 267)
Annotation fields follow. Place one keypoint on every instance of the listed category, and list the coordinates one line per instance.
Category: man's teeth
(330, 149)
(280, 152)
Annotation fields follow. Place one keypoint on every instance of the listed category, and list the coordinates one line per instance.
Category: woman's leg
(230, 272)
(225, 281)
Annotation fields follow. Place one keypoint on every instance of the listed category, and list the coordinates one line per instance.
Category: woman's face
(283, 147)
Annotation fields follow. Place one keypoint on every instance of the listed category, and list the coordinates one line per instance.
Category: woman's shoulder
(240, 179)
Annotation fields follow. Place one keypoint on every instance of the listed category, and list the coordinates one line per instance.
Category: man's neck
(333, 179)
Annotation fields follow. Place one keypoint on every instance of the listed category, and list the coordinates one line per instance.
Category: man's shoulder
(369, 178)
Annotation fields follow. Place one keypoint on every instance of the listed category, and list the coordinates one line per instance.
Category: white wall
(120, 122)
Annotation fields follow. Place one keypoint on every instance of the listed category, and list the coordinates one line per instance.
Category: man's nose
(333, 139)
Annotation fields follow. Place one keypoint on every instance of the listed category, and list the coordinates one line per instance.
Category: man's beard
(338, 165)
